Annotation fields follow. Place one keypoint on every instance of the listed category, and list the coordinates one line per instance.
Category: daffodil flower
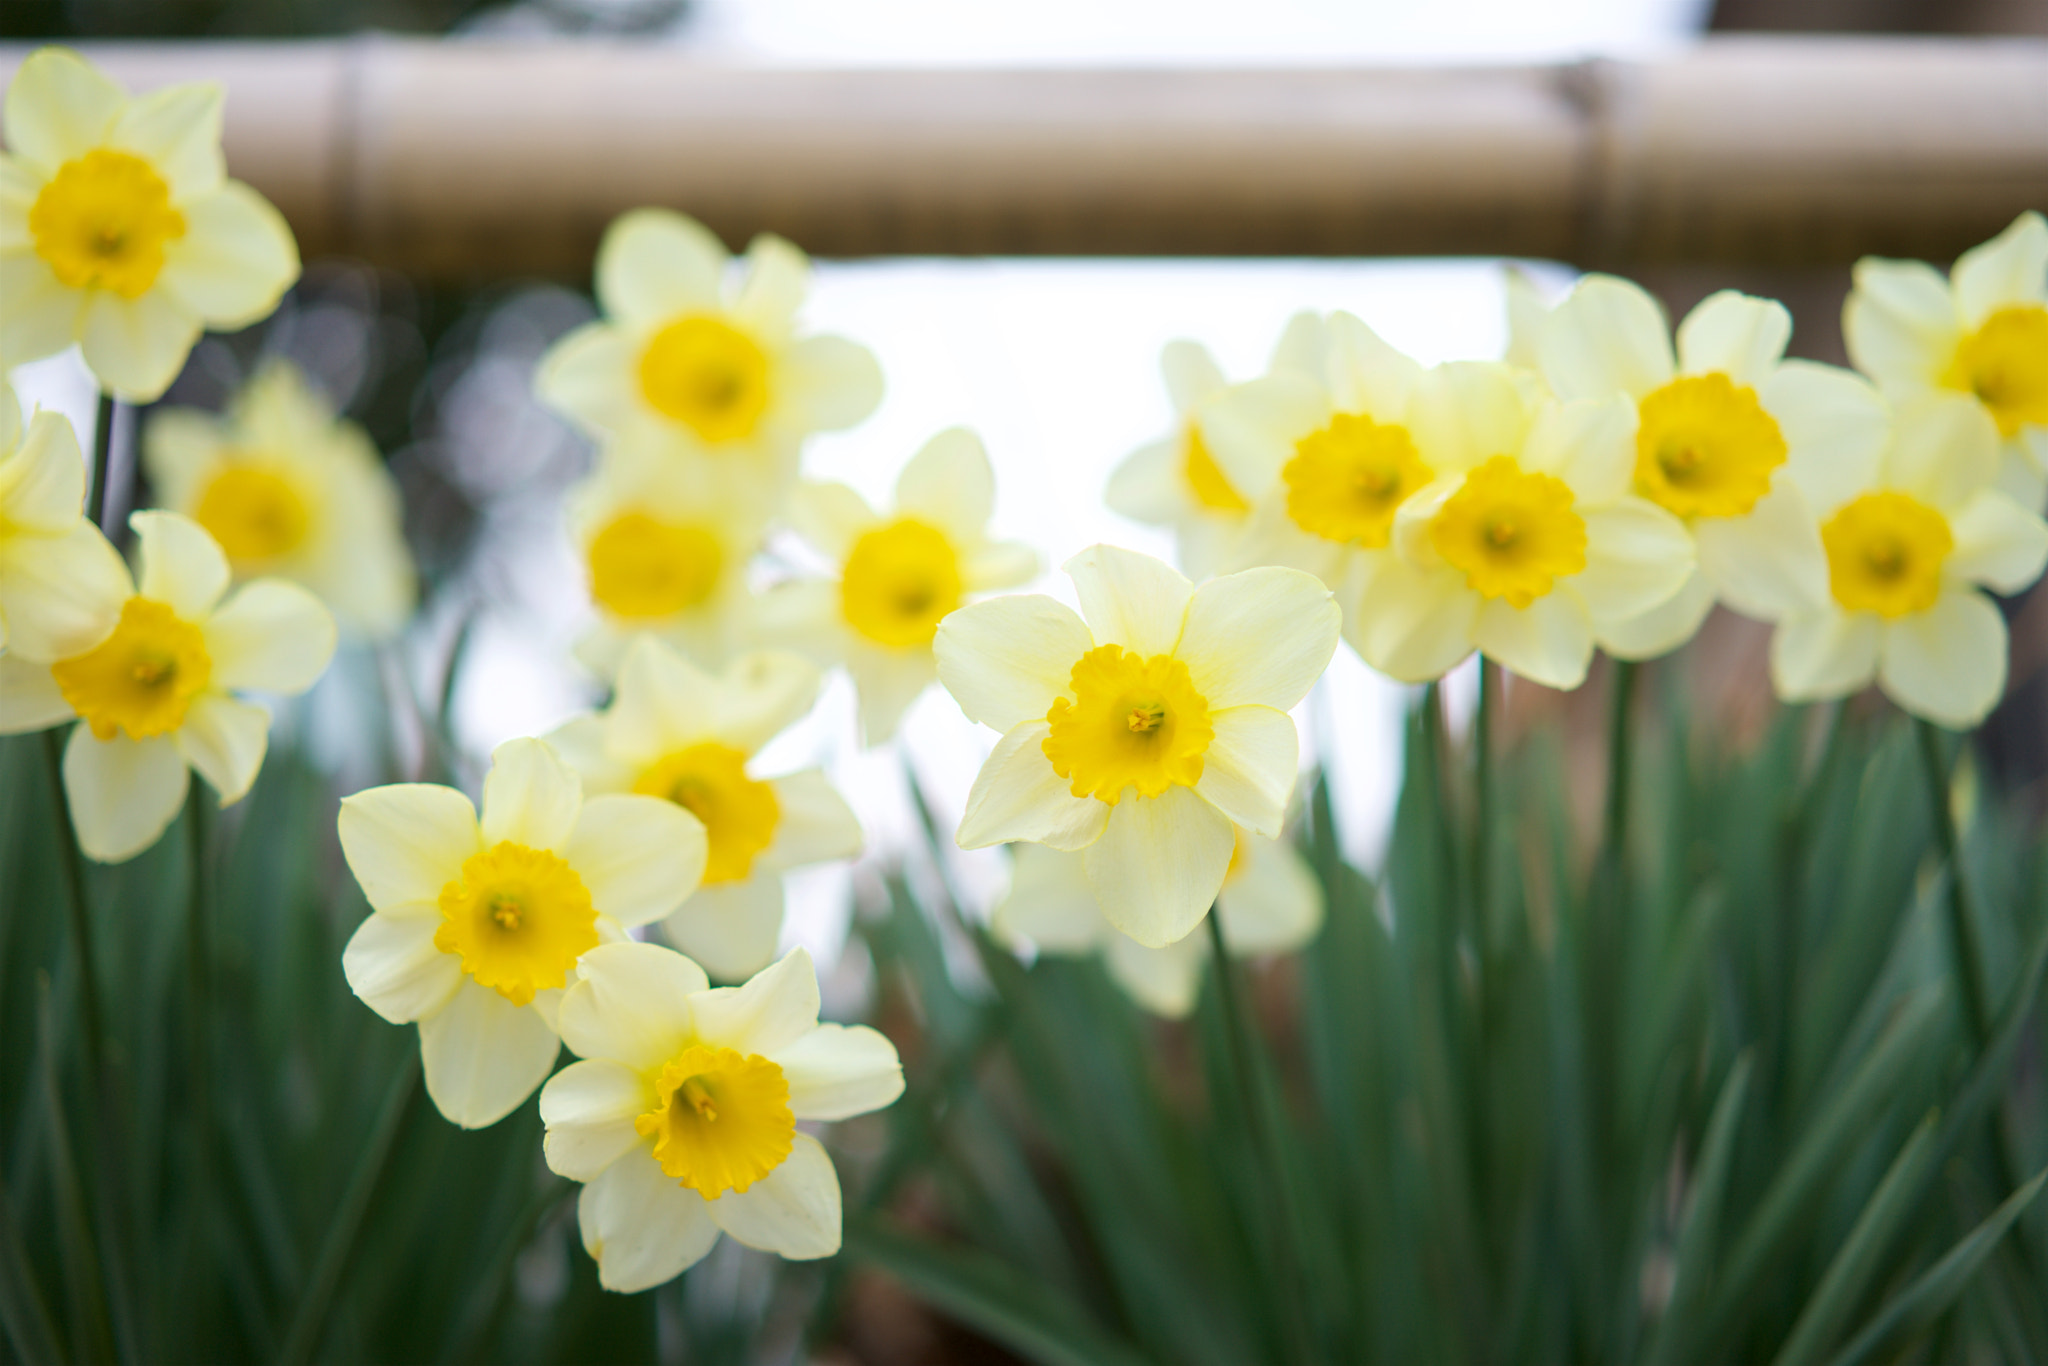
(1143, 730)
(119, 229)
(680, 364)
(1982, 332)
(665, 552)
(1527, 544)
(288, 489)
(56, 570)
(155, 690)
(1723, 427)
(899, 573)
(1269, 903)
(675, 732)
(1911, 536)
(1175, 481)
(681, 1118)
(477, 922)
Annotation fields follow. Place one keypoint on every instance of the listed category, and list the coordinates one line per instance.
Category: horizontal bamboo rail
(469, 161)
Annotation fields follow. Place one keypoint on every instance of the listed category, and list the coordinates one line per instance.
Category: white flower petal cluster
(290, 490)
(154, 683)
(56, 569)
(1175, 481)
(119, 229)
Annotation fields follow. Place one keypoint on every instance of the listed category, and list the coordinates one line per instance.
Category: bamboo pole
(467, 161)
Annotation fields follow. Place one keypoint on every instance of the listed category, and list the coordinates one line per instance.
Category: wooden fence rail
(468, 161)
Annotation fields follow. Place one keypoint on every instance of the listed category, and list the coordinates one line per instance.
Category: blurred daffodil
(681, 364)
(56, 570)
(119, 229)
(1142, 729)
(1526, 544)
(1269, 903)
(477, 922)
(899, 573)
(665, 551)
(1723, 425)
(1175, 481)
(1982, 332)
(681, 1118)
(289, 489)
(679, 733)
(1911, 536)
(155, 689)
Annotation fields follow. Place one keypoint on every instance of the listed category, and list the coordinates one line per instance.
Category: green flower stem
(81, 921)
(199, 981)
(1481, 928)
(1614, 830)
(1962, 920)
(102, 453)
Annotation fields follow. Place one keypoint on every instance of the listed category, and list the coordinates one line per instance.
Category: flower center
(141, 678)
(708, 375)
(739, 813)
(645, 568)
(1705, 447)
(721, 1119)
(1512, 532)
(2005, 364)
(519, 917)
(1885, 552)
(1134, 722)
(101, 223)
(1346, 481)
(1206, 480)
(898, 582)
(255, 513)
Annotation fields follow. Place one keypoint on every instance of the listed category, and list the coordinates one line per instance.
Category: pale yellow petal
(792, 1212)
(407, 841)
(1159, 864)
(1150, 486)
(1260, 637)
(638, 856)
(530, 796)
(589, 1108)
(176, 129)
(815, 823)
(1947, 663)
(29, 696)
(1250, 429)
(1549, 642)
(60, 595)
(1660, 629)
(1018, 796)
(588, 377)
(1998, 543)
(395, 968)
(1165, 981)
(1637, 556)
(1049, 902)
(1130, 599)
(731, 928)
(836, 1071)
(2012, 268)
(1008, 659)
(136, 347)
(950, 484)
(224, 738)
(1608, 337)
(1249, 768)
(829, 383)
(1589, 445)
(1272, 903)
(39, 316)
(641, 1226)
(1364, 373)
(830, 516)
(270, 635)
(484, 1056)
(1735, 334)
(59, 106)
(1899, 322)
(630, 1002)
(777, 276)
(235, 261)
(655, 264)
(772, 1010)
(1415, 625)
(1769, 564)
(1826, 654)
(1944, 449)
(42, 475)
(182, 566)
(1835, 428)
(123, 793)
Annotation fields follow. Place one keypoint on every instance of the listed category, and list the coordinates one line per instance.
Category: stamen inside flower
(721, 1119)
(1206, 480)
(255, 512)
(1347, 480)
(1705, 447)
(2005, 364)
(1134, 722)
(739, 813)
(519, 918)
(102, 221)
(646, 569)
(708, 375)
(899, 581)
(1885, 551)
(141, 679)
(1513, 532)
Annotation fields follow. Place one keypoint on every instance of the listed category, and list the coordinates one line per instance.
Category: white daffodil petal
(2012, 268)
(225, 739)
(997, 564)
(1250, 429)
(1608, 336)
(1130, 599)
(235, 261)
(1365, 374)
(772, 1010)
(1149, 486)
(1018, 796)
(45, 490)
(1769, 564)
(1549, 642)
(182, 566)
(663, 701)
(630, 1002)
(394, 967)
(60, 595)
(1736, 334)
(1261, 637)
(777, 277)
(1947, 663)
(815, 823)
(641, 1226)
(1049, 902)
(1589, 444)
(580, 743)
(530, 796)
(588, 376)
(1416, 625)
(176, 128)
(1661, 629)
(1899, 323)
(1165, 980)
(407, 841)
(762, 694)
(1829, 653)
(29, 696)
(589, 1108)
(1273, 903)
(484, 1056)
(888, 681)
(59, 106)
(793, 1211)
(1248, 771)
(837, 1071)
(123, 793)
(1159, 863)
(830, 516)
(638, 856)
(1835, 427)
(655, 264)
(949, 483)
(1008, 659)
(731, 928)
(1997, 543)
(136, 347)
(832, 383)
(1944, 449)
(1464, 412)
(272, 636)
(1528, 313)
(2023, 468)
(1637, 556)
(1190, 372)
